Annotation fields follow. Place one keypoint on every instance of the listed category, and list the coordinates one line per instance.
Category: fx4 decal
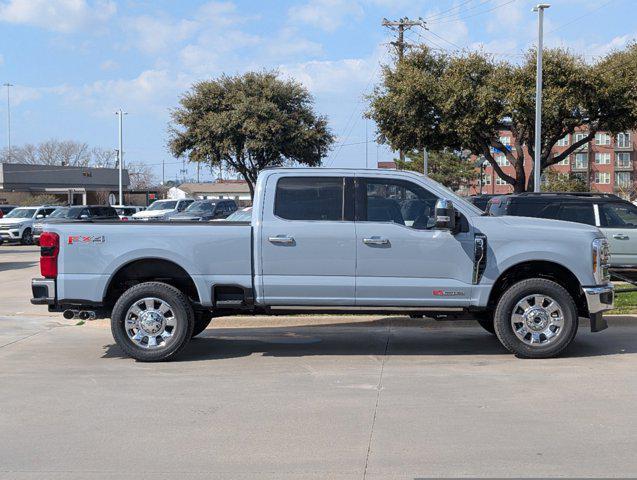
(448, 293)
(84, 239)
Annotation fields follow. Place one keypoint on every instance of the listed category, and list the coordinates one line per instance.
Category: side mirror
(83, 217)
(445, 215)
(39, 215)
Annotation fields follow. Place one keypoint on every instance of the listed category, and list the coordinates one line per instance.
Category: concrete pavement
(308, 397)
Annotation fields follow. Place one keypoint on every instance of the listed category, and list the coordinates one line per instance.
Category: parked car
(163, 209)
(126, 212)
(339, 240)
(87, 213)
(481, 201)
(616, 218)
(17, 225)
(243, 215)
(205, 210)
(4, 209)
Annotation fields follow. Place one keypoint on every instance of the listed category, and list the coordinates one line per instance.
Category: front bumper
(599, 299)
(43, 290)
(10, 234)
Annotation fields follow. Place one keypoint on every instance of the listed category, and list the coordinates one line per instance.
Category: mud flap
(598, 322)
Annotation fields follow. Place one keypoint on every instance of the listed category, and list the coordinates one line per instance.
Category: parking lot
(307, 397)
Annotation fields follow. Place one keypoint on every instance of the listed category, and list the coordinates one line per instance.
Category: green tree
(562, 182)
(444, 167)
(462, 102)
(249, 122)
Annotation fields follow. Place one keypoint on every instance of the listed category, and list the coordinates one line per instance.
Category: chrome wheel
(537, 320)
(150, 323)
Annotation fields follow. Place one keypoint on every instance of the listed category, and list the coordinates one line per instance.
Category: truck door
(401, 259)
(308, 241)
(618, 221)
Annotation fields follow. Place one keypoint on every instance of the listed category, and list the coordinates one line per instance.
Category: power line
(476, 14)
(576, 19)
(445, 15)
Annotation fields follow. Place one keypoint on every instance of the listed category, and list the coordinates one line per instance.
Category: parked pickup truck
(337, 241)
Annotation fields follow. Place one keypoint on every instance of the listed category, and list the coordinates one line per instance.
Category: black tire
(27, 237)
(183, 314)
(485, 319)
(516, 293)
(202, 320)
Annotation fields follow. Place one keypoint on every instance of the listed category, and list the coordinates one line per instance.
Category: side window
(48, 211)
(577, 212)
(85, 212)
(618, 215)
(309, 198)
(396, 201)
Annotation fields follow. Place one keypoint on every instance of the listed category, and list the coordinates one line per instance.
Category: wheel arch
(547, 269)
(148, 269)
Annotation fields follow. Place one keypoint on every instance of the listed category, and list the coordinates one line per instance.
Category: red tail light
(49, 250)
(124, 219)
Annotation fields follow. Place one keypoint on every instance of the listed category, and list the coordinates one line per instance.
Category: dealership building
(72, 185)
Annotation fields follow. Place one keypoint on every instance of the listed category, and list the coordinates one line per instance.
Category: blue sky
(74, 62)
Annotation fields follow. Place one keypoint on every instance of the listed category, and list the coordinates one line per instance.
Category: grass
(624, 302)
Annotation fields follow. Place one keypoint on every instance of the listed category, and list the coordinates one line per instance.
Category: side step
(230, 304)
(232, 297)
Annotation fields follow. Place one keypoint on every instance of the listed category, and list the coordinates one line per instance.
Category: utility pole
(366, 145)
(198, 164)
(425, 161)
(120, 152)
(163, 170)
(8, 85)
(400, 26)
(538, 96)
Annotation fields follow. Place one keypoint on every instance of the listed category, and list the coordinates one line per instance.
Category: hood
(533, 228)
(186, 216)
(151, 213)
(13, 221)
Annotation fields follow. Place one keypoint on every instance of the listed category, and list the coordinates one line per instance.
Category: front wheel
(27, 237)
(152, 321)
(536, 318)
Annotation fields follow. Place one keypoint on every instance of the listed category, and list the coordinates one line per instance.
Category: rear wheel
(536, 318)
(202, 320)
(152, 321)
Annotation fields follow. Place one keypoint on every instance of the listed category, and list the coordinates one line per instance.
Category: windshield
(21, 213)
(60, 213)
(200, 207)
(163, 205)
(244, 215)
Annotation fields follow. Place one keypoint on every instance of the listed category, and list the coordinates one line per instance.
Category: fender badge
(74, 239)
(448, 293)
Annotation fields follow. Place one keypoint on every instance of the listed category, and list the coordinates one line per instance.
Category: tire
(485, 319)
(536, 318)
(27, 237)
(202, 320)
(156, 336)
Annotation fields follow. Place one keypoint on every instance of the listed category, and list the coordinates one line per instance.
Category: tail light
(124, 219)
(49, 250)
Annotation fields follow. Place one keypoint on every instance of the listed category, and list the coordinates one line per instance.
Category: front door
(401, 259)
(308, 241)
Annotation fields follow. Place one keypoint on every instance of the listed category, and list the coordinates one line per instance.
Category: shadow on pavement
(370, 338)
(4, 266)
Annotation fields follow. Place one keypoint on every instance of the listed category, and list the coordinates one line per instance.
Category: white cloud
(327, 15)
(108, 65)
(155, 34)
(57, 15)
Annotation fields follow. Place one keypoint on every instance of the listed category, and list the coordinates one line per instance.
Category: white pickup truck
(338, 241)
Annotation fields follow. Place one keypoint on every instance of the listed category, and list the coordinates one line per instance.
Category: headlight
(601, 260)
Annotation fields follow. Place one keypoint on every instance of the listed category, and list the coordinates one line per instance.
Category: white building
(236, 190)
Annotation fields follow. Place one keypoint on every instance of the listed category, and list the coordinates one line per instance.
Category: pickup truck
(332, 240)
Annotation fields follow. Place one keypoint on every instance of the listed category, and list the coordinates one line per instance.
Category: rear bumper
(599, 299)
(43, 290)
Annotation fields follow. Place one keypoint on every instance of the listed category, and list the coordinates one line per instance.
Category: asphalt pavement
(325, 397)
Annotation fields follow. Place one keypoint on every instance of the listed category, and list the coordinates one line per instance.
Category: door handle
(621, 236)
(282, 240)
(375, 241)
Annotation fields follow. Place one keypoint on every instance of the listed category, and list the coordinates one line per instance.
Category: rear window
(103, 212)
(309, 198)
(618, 215)
(577, 212)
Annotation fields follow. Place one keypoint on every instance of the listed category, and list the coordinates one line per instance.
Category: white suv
(17, 225)
(163, 209)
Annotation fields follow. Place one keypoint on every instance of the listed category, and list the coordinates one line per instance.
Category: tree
(249, 122)
(448, 168)
(463, 101)
(563, 182)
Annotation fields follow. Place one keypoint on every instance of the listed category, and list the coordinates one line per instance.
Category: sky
(74, 62)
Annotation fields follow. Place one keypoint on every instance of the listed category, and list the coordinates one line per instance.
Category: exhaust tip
(87, 315)
(69, 314)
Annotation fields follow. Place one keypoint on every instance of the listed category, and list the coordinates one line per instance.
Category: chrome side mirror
(445, 215)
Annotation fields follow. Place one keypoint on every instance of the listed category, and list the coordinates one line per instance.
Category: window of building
(309, 198)
(505, 140)
(602, 178)
(499, 181)
(602, 138)
(398, 201)
(563, 142)
(486, 180)
(502, 161)
(622, 159)
(566, 161)
(602, 158)
(623, 179)
(579, 136)
(581, 160)
(623, 140)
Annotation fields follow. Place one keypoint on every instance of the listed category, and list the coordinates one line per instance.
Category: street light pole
(8, 85)
(120, 152)
(538, 96)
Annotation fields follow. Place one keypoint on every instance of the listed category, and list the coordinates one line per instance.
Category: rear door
(578, 212)
(308, 240)
(618, 221)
